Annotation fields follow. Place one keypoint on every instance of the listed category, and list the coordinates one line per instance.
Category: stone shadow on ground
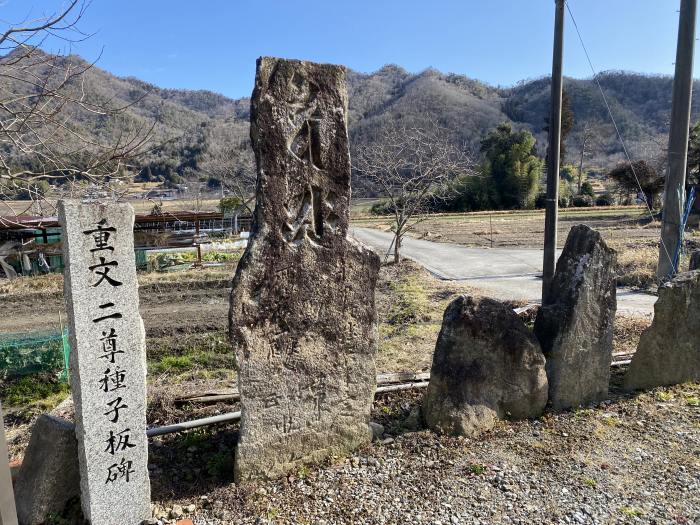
(192, 464)
(399, 412)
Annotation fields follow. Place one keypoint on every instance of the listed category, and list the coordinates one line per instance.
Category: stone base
(575, 328)
(49, 476)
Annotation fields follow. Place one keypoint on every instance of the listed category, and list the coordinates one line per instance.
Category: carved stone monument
(108, 361)
(302, 316)
(576, 329)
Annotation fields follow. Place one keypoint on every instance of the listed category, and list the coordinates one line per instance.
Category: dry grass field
(627, 229)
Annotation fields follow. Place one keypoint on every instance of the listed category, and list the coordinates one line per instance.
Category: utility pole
(674, 191)
(553, 152)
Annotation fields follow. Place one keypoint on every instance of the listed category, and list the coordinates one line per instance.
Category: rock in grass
(487, 365)
(302, 305)
(49, 476)
(576, 328)
(669, 350)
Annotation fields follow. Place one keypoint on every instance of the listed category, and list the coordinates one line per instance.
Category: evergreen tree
(512, 166)
(637, 176)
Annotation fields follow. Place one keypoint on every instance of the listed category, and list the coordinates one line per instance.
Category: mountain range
(195, 123)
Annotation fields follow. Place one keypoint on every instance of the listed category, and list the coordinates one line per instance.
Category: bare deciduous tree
(413, 168)
(229, 159)
(39, 92)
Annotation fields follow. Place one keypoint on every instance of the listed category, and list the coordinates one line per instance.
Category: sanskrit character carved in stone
(302, 317)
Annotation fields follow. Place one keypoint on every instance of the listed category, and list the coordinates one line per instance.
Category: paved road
(504, 273)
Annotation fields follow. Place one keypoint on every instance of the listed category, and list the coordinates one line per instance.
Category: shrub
(30, 389)
(541, 200)
(606, 199)
(229, 205)
(582, 201)
(587, 189)
(382, 207)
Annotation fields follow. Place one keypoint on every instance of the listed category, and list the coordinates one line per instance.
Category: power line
(612, 118)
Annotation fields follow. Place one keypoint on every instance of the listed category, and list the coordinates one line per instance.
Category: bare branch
(41, 98)
(412, 168)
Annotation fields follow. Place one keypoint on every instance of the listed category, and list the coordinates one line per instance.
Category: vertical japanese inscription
(108, 361)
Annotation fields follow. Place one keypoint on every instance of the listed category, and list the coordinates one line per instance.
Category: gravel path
(632, 460)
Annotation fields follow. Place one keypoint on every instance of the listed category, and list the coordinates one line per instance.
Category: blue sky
(213, 44)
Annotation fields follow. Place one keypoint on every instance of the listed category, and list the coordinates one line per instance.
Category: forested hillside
(203, 136)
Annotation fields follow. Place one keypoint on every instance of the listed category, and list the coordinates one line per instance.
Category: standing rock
(694, 263)
(49, 476)
(486, 365)
(576, 328)
(669, 350)
(302, 316)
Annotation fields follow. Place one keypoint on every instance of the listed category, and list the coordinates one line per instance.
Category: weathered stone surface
(108, 361)
(694, 263)
(576, 329)
(669, 350)
(302, 314)
(8, 512)
(487, 365)
(49, 476)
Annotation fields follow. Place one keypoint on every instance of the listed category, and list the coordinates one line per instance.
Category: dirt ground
(185, 316)
(168, 306)
(633, 459)
(412, 475)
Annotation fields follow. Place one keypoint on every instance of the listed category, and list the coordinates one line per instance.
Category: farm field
(629, 230)
(525, 229)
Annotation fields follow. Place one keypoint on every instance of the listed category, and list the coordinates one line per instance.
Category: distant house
(158, 193)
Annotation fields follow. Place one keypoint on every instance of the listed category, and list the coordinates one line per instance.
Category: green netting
(32, 353)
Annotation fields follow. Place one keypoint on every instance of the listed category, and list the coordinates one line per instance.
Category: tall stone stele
(107, 362)
(669, 350)
(302, 316)
(576, 328)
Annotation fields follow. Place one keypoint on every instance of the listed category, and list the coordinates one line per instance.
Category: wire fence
(34, 353)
